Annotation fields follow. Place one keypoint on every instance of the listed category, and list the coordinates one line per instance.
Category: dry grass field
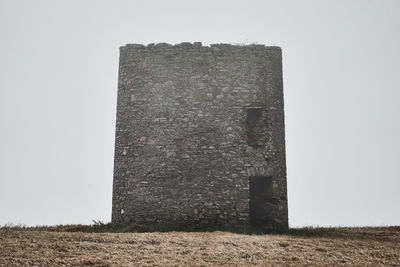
(57, 246)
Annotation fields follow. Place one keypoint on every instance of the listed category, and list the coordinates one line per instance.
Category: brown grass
(47, 246)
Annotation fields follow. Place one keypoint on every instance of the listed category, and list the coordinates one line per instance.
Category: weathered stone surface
(194, 123)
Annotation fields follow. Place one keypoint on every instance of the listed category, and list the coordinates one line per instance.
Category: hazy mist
(58, 88)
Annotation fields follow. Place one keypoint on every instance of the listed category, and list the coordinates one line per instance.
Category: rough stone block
(195, 125)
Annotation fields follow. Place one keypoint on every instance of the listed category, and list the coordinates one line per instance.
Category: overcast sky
(58, 88)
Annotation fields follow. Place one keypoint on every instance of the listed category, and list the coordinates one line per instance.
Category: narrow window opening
(255, 126)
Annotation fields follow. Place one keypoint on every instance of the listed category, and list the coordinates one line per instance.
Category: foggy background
(58, 89)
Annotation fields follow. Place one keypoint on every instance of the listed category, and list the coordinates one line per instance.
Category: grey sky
(58, 85)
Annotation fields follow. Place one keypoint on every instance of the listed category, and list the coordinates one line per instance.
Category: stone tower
(200, 137)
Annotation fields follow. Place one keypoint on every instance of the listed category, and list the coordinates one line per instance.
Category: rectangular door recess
(261, 194)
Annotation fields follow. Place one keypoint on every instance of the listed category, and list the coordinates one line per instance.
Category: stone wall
(194, 123)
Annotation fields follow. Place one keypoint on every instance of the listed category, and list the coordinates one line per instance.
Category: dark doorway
(261, 196)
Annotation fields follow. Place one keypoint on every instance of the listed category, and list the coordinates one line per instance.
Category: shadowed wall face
(196, 128)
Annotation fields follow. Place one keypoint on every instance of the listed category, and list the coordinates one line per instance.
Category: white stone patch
(259, 171)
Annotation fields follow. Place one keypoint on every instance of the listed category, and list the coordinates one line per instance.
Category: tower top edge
(198, 45)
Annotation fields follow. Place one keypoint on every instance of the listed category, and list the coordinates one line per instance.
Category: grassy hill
(107, 245)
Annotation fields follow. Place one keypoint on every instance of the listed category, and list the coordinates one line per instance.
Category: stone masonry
(200, 137)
